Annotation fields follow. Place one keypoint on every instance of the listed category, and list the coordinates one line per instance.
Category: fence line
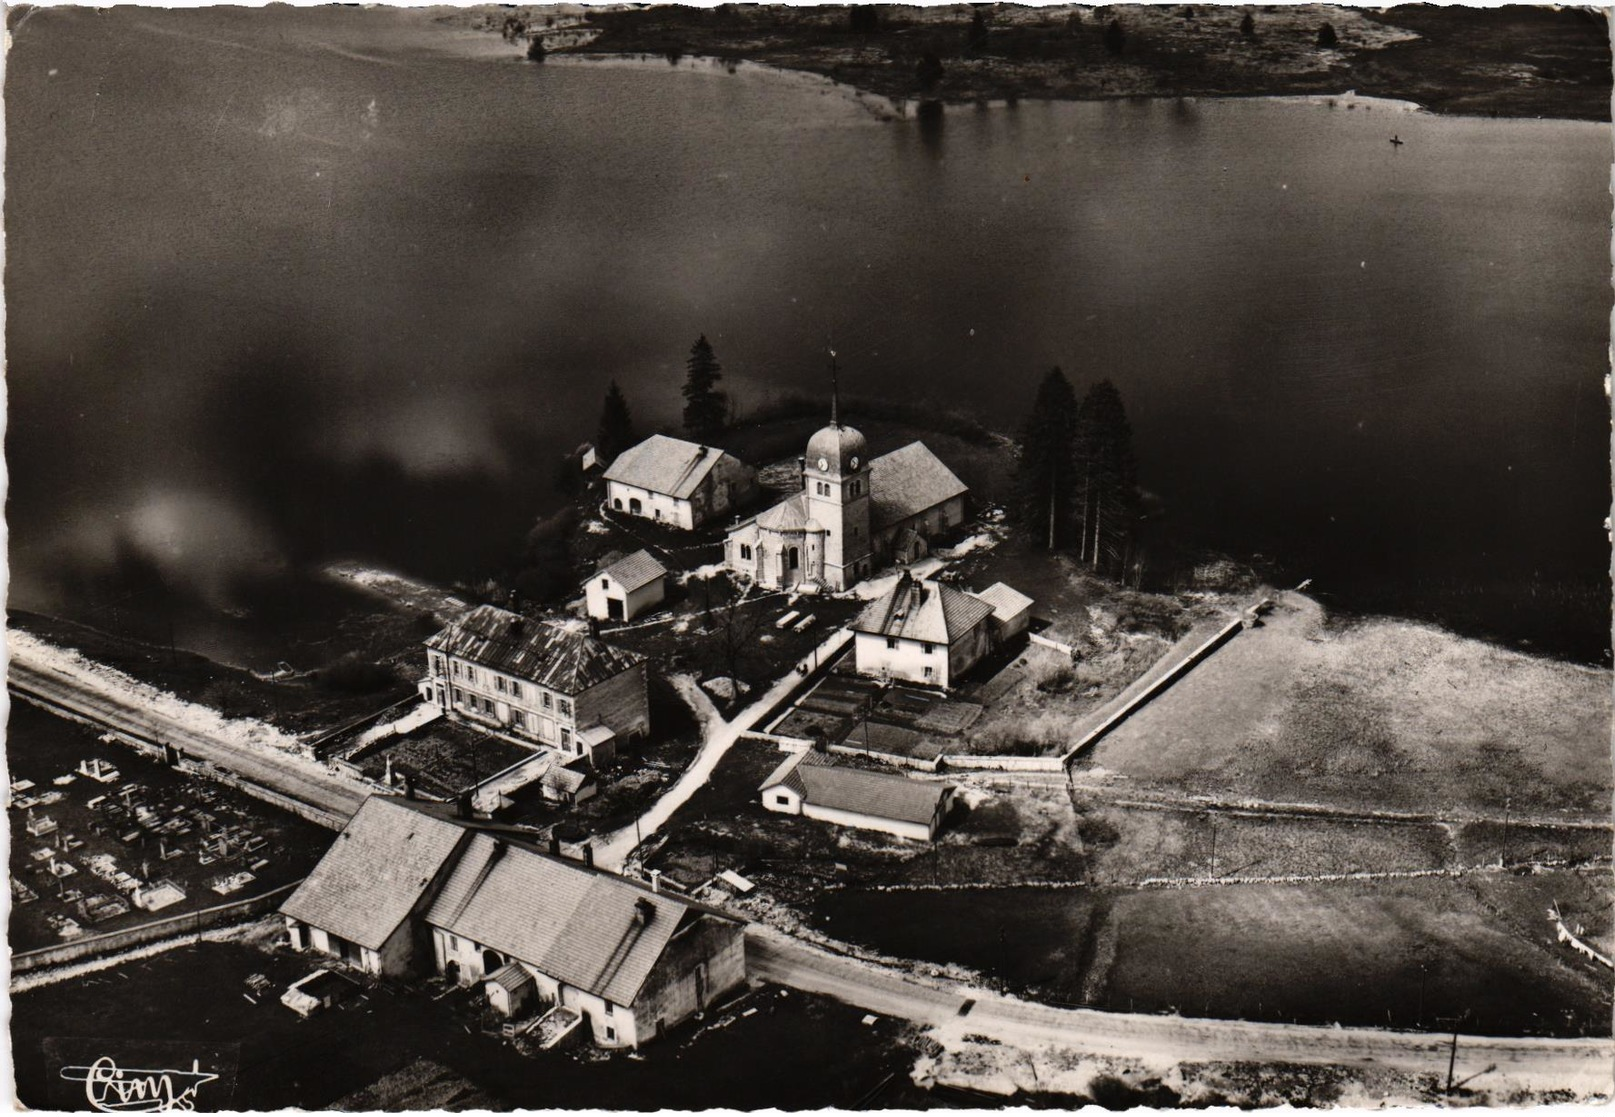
(112, 941)
(317, 815)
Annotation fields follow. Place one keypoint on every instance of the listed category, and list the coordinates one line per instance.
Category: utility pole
(1508, 803)
(1213, 820)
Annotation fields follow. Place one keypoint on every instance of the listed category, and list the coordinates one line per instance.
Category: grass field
(1380, 953)
(1379, 713)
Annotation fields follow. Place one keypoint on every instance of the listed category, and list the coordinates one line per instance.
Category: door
(613, 609)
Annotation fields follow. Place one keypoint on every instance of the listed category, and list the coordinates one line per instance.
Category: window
(782, 800)
(611, 1009)
(437, 664)
(499, 683)
(456, 669)
(470, 674)
(454, 943)
(563, 707)
(891, 642)
(611, 1034)
(605, 583)
(515, 689)
(459, 696)
(930, 672)
(566, 739)
(546, 699)
(745, 550)
(518, 719)
(928, 648)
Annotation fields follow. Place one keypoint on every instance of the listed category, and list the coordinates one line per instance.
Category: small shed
(569, 783)
(509, 989)
(623, 589)
(1012, 609)
(598, 744)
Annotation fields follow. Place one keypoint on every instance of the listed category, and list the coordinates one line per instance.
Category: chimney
(462, 805)
(700, 452)
(555, 844)
(656, 881)
(588, 854)
(409, 786)
(644, 911)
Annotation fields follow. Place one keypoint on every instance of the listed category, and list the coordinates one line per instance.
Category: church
(853, 516)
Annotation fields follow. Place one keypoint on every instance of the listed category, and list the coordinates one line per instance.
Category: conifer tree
(1108, 500)
(705, 407)
(616, 432)
(1046, 475)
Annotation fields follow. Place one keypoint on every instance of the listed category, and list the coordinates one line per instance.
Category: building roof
(511, 976)
(566, 779)
(819, 781)
(842, 449)
(664, 465)
(908, 481)
(1006, 601)
(789, 514)
(918, 610)
(567, 660)
(591, 930)
(378, 869)
(632, 571)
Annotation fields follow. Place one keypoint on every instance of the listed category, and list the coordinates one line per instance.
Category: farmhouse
(364, 902)
(678, 483)
(852, 516)
(923, 632)
(812, 785)
(538, 681)
(623, 589)
(632, 961)
(434, 891)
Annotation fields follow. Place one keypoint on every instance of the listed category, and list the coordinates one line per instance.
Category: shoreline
(1501, 64)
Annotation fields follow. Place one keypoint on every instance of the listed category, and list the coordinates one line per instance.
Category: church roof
(916, 610)
(908, 481)
(840, 447)
(789, 514)
(664, 465)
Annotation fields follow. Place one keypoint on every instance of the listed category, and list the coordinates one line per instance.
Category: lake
(290, 285)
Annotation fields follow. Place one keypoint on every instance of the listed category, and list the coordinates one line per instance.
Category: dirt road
(718, 737)
(291, 775)
(1585, 1066)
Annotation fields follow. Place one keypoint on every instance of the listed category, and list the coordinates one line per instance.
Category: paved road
(718, 737)
(294, 776)
(1583, 1065)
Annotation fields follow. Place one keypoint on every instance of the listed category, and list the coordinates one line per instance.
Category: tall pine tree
(616, 432)
(1108, 501)
(705, 408)
(1046, 476)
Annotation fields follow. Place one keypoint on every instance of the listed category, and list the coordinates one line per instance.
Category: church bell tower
(835, 482)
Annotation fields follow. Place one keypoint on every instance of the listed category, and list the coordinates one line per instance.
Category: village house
(812, 785)
(538, 682)
(678, 483)
(407, 887)
(632, 961)
(922, 632)
(854, 514)
(626, 587)
(364, 903)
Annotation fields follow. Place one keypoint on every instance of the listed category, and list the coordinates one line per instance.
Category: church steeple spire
(835, 393)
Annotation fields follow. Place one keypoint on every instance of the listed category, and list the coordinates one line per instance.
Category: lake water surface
(289, 285)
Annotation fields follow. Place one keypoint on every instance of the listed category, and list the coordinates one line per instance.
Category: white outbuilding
(812, 785)
(626, 588)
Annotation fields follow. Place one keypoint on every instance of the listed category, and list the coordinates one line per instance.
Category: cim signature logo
(114, 1089)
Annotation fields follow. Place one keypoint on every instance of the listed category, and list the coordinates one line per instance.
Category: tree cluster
(1076, 484)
